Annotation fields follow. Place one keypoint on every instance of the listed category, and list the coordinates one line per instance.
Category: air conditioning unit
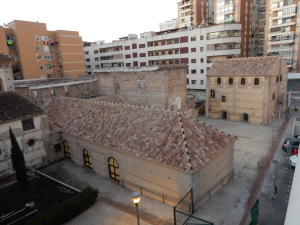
(49, 60)
(59, 68)
(59, 60)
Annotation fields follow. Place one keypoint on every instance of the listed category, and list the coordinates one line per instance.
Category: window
(219, 80)
(86, 52)
(88, 66)
(193, 81)
(67, 149)
(202, 60)
(97, 59)
(193, 49)
(135, 63)
(201, 49)
(48, 66)
(256, 81)
(184, 39)
(113, 168)
(97, 66)
(96, 51)
(223, 98)
(193, 71)
(128, 64)
(280, 77)
(127, 56)
(202, 71)
(156, 44)
(41, 67)
(87, 60)
(141, 45)
(89, 73)
(28, 124)
(243, 81)
(193, 38)
(142, 54)
(87, 159)
(184, 50)
(127, 47)
(46, 48)
(37, 47)
(57, 147)
(134, 55)
(184, 60)
(44, 38)
(212, 93)
(277, 79)
(47, 57)
(202, 82)
(37, 38)
(193, 60)
(201, 37)
(230, 81)
(134, 46)
(66, 89)
(273, 96)
(143, 64)
(187, 81)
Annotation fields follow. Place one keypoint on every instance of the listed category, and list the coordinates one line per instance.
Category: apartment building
(39, 53)
(197, 47)
(282, 32)
(244, 12)
(192, 12)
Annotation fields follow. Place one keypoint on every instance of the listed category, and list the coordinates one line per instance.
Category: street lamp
(272, 133)
(136, 196)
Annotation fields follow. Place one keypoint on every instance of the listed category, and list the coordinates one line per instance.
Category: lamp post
(272, 134)
(136, 196)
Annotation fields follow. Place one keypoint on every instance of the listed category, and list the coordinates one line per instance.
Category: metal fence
(183, 213)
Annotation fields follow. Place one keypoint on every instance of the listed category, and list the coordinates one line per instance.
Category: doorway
(224, 115)
(245, 117)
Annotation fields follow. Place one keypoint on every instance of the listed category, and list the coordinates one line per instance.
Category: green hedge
(67, 210)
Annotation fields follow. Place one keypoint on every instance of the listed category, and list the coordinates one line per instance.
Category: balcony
(282, 6)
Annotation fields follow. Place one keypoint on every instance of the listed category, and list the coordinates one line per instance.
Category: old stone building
(6, 80)
(247, 89)
(40, 91)
(157, 86)
(163, 150)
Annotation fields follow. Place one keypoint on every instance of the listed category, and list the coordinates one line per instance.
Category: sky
(95, 20)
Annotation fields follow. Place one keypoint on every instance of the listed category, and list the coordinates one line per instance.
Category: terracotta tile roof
(14, 106)
(162, 136)
(109, 98)
(54, 128)
(5, 57)
(243, 66)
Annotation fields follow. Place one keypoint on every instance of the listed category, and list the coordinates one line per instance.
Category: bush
(67, 210)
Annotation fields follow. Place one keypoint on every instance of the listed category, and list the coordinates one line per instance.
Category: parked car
(293, 160)
(293, 142)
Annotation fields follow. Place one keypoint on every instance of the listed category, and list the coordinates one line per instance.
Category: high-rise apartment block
(192, 12)
(245, 13)
(39, 53)
(282, 31)
(197, 47)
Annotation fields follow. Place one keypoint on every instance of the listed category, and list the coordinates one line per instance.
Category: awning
(287, 17)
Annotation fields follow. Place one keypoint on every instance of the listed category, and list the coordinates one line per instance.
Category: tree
(18, 162)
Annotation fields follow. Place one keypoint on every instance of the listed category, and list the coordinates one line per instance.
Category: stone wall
(163, 87)
(40, 92)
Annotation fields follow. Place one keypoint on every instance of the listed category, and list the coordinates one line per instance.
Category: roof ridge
(190, 166)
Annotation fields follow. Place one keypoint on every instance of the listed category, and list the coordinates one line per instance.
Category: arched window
(256, 81)
(212, 93)
(243, 81)
(223, 98)
(87, 159)
(230, 81)
(113, 168)
(67, 149)
(218, 80)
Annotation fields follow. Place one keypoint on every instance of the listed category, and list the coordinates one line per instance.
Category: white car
(293, 160)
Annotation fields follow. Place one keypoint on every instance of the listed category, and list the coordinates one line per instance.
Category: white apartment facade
(282, 33)
(197, 47)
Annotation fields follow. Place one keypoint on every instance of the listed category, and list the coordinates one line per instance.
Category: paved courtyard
(225, 207)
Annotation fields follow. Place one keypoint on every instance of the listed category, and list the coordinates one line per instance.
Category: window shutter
(134, 55)
(184, 60)
(135, 63)
(143, 64)
(162, 43)
(127, 47)
(187, 81)
(134, 46)
(184, 39)
(142, 46)
(184, 50)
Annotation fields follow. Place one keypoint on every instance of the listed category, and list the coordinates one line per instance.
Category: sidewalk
(272, 212)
